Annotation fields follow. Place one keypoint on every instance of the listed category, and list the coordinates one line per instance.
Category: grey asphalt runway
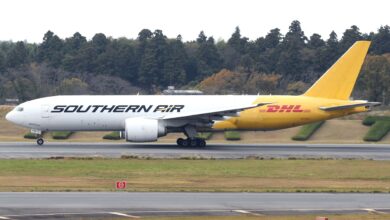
(14, 205)
(116, 150)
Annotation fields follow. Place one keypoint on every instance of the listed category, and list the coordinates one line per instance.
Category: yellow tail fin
(338, 81)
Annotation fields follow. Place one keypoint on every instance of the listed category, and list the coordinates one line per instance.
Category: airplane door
(45, 117)
(45, 112)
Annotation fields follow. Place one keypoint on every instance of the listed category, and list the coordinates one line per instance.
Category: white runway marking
(124, 215)
(374, 211)
(247, 212)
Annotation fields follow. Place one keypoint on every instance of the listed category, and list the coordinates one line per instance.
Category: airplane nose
(11, 117)
(8, 116)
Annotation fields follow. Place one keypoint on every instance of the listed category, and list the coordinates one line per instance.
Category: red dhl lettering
(284, 108)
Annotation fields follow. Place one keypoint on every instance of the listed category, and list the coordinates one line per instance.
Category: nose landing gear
(40, 141)
(39, 135)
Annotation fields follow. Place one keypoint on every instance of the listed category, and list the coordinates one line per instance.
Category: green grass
(196, 175)
(232, 135)
(61, 134)
(370, 120)
(307, 131)
(377, 131)
(112, 136)
(380, 126)
(205, 135)
(30, 135)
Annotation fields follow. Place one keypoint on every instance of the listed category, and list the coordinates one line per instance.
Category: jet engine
(143, 129)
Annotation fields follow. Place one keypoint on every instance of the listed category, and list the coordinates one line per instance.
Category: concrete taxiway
(14, 205)
(116, 150)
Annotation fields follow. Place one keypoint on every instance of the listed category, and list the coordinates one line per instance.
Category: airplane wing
(215, 114)
(341, 107)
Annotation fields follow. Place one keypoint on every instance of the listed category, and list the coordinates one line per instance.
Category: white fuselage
(109, 112)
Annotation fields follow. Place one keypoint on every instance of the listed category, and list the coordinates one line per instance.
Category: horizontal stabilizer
(341, 107)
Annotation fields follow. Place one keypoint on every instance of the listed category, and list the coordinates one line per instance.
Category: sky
(28, 20)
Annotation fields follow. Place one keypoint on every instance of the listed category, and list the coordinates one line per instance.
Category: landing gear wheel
(201, 143)
(193, 142)
(185, 143)
(180, 142)
(40, 141)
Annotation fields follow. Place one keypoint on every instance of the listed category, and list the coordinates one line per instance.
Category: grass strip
(377, 131)
(232, 135)
(205, 135)
(307, 131)
(61, 135)
(30, 135)
(112, 136)
(247, 175)
(370, 120)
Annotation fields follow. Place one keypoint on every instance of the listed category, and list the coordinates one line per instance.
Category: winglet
(338, 81)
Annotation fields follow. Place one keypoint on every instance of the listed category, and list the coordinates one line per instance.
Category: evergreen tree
(85, 60)
(118, 59)
(99, 42)
(152, 64)
(350, 36)
(74, 43)
(143, 37)
(330, 53)
(18, 55)
(332, 42)
(381, 41)
(208, 58)
(174, 67)
(290, 63)
(237, 42)
(267, 51)
(312, 56)
(50, 50)
(273, 38)
(295, 37)
(247, 62)
(2, 62)
(202, 38)
(376, 79)
(315, 41)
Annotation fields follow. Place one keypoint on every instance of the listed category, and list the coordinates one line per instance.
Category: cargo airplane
(145, 118)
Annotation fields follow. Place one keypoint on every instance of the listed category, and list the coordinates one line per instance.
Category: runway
(15, 205)
(218, 151)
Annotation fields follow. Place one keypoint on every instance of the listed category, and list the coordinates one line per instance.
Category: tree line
(149, 63)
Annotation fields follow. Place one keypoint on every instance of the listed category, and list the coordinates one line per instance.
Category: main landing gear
(191, 142)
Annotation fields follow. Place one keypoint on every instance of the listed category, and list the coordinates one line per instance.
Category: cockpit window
(19, 109)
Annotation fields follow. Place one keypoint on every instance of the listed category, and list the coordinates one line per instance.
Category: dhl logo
(284, 108)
